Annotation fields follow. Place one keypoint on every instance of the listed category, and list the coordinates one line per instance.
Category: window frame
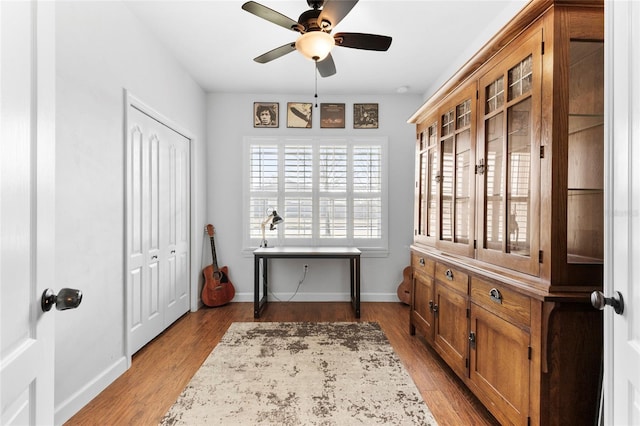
(371, 246)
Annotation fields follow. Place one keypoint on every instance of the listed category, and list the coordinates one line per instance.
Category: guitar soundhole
(219, 276)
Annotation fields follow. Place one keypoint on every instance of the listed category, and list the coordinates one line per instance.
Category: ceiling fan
(315, 41)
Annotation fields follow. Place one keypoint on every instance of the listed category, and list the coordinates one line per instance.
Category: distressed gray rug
(301, 374)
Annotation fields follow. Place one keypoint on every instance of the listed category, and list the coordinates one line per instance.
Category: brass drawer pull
(449, 274)
(421, 262)
(495, 295)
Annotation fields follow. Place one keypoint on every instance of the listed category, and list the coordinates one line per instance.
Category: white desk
(262, 256)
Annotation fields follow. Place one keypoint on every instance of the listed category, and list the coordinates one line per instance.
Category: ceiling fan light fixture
(315, 45)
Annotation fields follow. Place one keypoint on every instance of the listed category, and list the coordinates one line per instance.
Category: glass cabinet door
(427, 169)
(585, 195)
(509, 96)
(456, 177)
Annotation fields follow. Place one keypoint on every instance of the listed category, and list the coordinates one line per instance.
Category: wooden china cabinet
(509, 219)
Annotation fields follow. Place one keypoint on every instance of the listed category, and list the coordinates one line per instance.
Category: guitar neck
(213, 255)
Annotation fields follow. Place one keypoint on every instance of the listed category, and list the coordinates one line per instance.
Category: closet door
(157, 227)
(174, 222)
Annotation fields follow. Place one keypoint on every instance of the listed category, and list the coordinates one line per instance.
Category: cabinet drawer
(502, 301)
(452, 277)
(421, 263)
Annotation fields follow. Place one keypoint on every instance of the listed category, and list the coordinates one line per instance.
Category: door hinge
(529, 353)
(466, 363)
(540, 256)
(542, 48)
(468, 313)
(528, 421)
(542, 151)
(477, 94)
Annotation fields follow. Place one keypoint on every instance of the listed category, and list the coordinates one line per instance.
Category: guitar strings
(294, 294)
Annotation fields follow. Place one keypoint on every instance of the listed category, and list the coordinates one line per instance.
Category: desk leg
(256, 287)
(265, 282)
(259, 302)
(357, 271)
(354, 266)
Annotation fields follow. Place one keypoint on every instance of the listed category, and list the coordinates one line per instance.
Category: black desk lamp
(273, 219)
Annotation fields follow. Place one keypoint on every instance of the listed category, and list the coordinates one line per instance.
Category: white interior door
(622, 268)
(158, 226)
(27, 178)
(174, 217)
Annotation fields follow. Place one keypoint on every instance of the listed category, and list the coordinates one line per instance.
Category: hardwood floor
(162, 368)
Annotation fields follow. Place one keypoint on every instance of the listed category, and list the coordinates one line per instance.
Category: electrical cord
(297, 288)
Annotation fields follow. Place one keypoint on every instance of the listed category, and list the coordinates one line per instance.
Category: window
(330, 191)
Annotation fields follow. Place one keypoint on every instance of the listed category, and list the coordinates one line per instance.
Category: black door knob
(616, 301)
(67, 298)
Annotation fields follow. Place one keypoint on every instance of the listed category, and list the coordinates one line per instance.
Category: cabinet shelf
(582, 122)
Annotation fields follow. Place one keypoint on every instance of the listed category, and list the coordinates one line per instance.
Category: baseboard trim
(74, 403)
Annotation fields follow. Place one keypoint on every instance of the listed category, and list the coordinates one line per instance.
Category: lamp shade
(276, 218)
(315, 45)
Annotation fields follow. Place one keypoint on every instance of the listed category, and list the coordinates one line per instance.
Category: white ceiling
(216, 42)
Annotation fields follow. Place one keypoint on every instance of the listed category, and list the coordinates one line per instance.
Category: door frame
(131, 100)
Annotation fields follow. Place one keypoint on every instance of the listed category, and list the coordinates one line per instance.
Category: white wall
(101, 50)
(230, 119)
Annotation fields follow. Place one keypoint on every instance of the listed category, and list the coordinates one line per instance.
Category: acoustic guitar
(404, 289)
(217, 290)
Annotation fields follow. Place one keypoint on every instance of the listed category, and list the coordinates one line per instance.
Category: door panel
(451, 327)
(622, 222)
(143, 288)
(27, 179)
(500, 363)
(176, 218)
(158, 216)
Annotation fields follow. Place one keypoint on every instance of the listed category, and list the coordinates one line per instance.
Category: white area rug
(301, 374)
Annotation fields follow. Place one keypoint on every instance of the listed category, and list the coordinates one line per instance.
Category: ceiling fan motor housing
(309, 20)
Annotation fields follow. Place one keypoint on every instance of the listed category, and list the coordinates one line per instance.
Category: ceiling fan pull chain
(315, 72)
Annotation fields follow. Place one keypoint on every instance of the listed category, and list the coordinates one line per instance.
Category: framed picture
(332, 116)
(365, 116)
(299, 115)
(265, 114)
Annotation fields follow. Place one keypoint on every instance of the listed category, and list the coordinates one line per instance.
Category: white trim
(70, 406)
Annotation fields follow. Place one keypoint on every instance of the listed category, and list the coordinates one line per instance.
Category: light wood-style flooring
(162, 368)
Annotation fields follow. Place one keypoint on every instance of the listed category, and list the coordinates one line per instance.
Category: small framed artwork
(265, 114)
(365, 116)
(332, 116)
(299, 115)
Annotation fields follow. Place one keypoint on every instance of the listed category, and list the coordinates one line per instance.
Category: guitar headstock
(210, 230)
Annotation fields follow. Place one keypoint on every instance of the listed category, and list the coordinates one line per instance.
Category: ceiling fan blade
(334, 10)
(270, 15)
(275, 53)
(326, 67)
(363, 41)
